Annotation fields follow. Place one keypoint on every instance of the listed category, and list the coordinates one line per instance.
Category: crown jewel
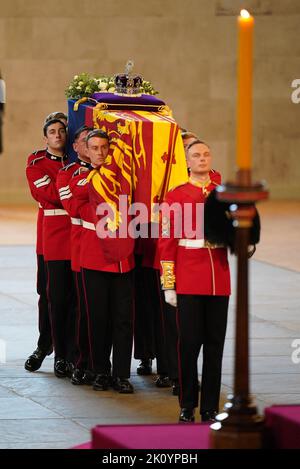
(128, 83)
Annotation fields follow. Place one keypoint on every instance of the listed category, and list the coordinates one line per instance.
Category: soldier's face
(56, 137)
(199, 159)
(80, 146)
(97, 150)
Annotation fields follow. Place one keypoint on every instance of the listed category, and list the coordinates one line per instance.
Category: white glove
(171, 297)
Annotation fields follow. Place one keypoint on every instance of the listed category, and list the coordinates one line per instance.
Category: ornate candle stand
(240, 426)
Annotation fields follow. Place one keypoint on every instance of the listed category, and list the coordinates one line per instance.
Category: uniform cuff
(168, 275)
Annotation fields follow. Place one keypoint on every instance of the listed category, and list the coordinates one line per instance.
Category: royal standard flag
(146, 159)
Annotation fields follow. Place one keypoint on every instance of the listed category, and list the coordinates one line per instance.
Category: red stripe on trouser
(161, 304)
(88, 318)
(49, 306)
(78, 320)
(179, 359)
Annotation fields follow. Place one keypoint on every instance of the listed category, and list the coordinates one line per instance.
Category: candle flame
(245, 14)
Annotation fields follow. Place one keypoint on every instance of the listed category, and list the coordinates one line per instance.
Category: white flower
(70, 87)
(102, 86)
(80, 83)
(78, 87)
(75, 77)
(111, 89)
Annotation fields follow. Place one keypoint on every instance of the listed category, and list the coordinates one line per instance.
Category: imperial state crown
(127, 83)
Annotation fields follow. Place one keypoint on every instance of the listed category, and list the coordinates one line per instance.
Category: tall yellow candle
(244, 98)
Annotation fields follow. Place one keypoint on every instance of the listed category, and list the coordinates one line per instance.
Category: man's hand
(171, 297)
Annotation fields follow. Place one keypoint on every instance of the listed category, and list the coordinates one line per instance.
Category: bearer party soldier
(41, 175)
(80, 374)
(108, 287)
(196, 280)
(44, 344)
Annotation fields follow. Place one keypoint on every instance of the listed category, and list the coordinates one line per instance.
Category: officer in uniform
(169, 312)
(108, 287)
(44, 344)
(70, 204)
(196, 280)
(41, 175)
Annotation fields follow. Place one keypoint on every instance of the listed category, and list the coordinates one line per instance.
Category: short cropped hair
(195, 142)
(83, 128)
(187, 134)
(50, 122)
(96, 133)
(56, 115)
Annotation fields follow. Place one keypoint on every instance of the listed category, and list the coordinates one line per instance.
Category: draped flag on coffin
(145, 160)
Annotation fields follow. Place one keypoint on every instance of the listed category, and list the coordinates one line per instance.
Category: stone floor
(40, 411)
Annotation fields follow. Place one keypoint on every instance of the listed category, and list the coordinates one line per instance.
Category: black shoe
(60, 368)
(35, 360)
(101, 383)
(70, 369)
(163, 382)
(175, 387)
(77, 376)
(187, 415)
(145, 367)
(209, 416)
(89, 377)
(123, 386)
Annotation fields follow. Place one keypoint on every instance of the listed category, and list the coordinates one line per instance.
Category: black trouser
(171, 335)
(45, 337)
(202, 320)
(109, 300)
(62, 307)
(144, 334)
(82, 339)
(153, 310)
(155, 323)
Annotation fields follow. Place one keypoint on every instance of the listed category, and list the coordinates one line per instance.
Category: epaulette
(38, 152)
(76, 173)
(65, 168)
(35, 160)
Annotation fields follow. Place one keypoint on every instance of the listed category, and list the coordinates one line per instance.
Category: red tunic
(188, 267)
(148, 247)
(91, 254)
(41, 175)
(71, 205)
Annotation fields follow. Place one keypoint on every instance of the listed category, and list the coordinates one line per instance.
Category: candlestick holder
(240, 426)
